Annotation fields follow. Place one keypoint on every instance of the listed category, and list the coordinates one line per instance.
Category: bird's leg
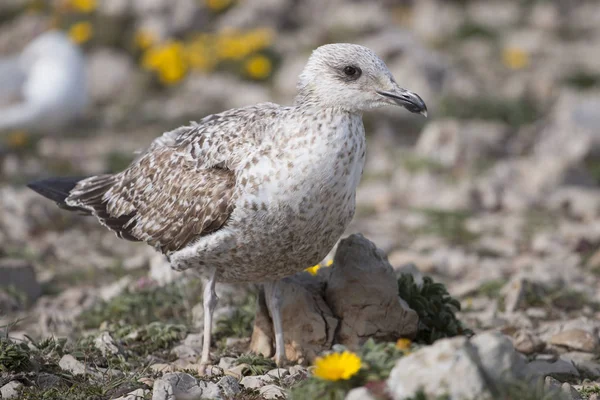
(274, 302)
(210, 300)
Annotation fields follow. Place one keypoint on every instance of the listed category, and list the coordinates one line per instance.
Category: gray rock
(434, 369)
(570, 392)
(178, 385)
(373, 309)
(256, 381)
(19, 275)
(560, 369)
(11, 390)
(71, 364)
(498, 357)
(483, 364)
(360, 393)
(106, 344)
(272, 392)
(138, 394)
(229, 385)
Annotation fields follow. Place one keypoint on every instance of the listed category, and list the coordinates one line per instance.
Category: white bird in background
(45, 85)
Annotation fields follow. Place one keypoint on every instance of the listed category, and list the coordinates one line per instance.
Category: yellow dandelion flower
(218, 5)
(84, 6)
(17, 139)
(515, 58)
(144, 39)
(168, 61)
(337, 366)
(314, 269)
(403, 344)
(258, 67)
(81, 32)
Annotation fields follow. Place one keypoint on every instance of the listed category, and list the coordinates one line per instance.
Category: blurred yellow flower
(258, 67)
(144, 39)
(81, 32)
(403, 344)
(168, 61)
(17, 139)
(337, 366)
(84, 6)
(515, 58)
(218, 5)
(315, 268)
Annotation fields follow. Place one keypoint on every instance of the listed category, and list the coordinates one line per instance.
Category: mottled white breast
(296, 196)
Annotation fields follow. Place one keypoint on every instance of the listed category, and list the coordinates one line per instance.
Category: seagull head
(354, 78)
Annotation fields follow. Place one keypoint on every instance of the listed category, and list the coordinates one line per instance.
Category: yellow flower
(168, 61)
(314, 269)
(403, 344)
(218, 5)
(81, 32)
(258, 67)
(336, 366)
(84, 6)
(144, 39)
(515, 58)
(329, 263)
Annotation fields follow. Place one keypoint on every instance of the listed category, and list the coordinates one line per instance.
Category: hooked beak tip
(407, 99)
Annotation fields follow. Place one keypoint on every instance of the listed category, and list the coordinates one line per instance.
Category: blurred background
(501, 182)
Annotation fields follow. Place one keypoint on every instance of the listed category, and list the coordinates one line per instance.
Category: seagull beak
(407, 99)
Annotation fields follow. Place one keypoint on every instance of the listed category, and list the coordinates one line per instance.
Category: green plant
(14, 357)
(257, 364)
(435, 307)
(239, 324)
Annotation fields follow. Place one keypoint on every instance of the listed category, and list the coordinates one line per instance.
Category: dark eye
(351, 71)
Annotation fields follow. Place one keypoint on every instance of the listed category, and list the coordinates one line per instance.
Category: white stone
(272, 392)
(360, 393)
(72, 365)
(11, 390)
(177, 385)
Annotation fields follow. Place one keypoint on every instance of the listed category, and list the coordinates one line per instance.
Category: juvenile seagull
(253, 194)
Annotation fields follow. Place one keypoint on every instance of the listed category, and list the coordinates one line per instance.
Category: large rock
(308, 322)
(483, 364)
(363, 292)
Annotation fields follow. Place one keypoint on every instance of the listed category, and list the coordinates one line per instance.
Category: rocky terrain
(496, 196)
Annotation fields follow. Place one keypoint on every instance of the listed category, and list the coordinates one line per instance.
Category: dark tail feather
(57, 189)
